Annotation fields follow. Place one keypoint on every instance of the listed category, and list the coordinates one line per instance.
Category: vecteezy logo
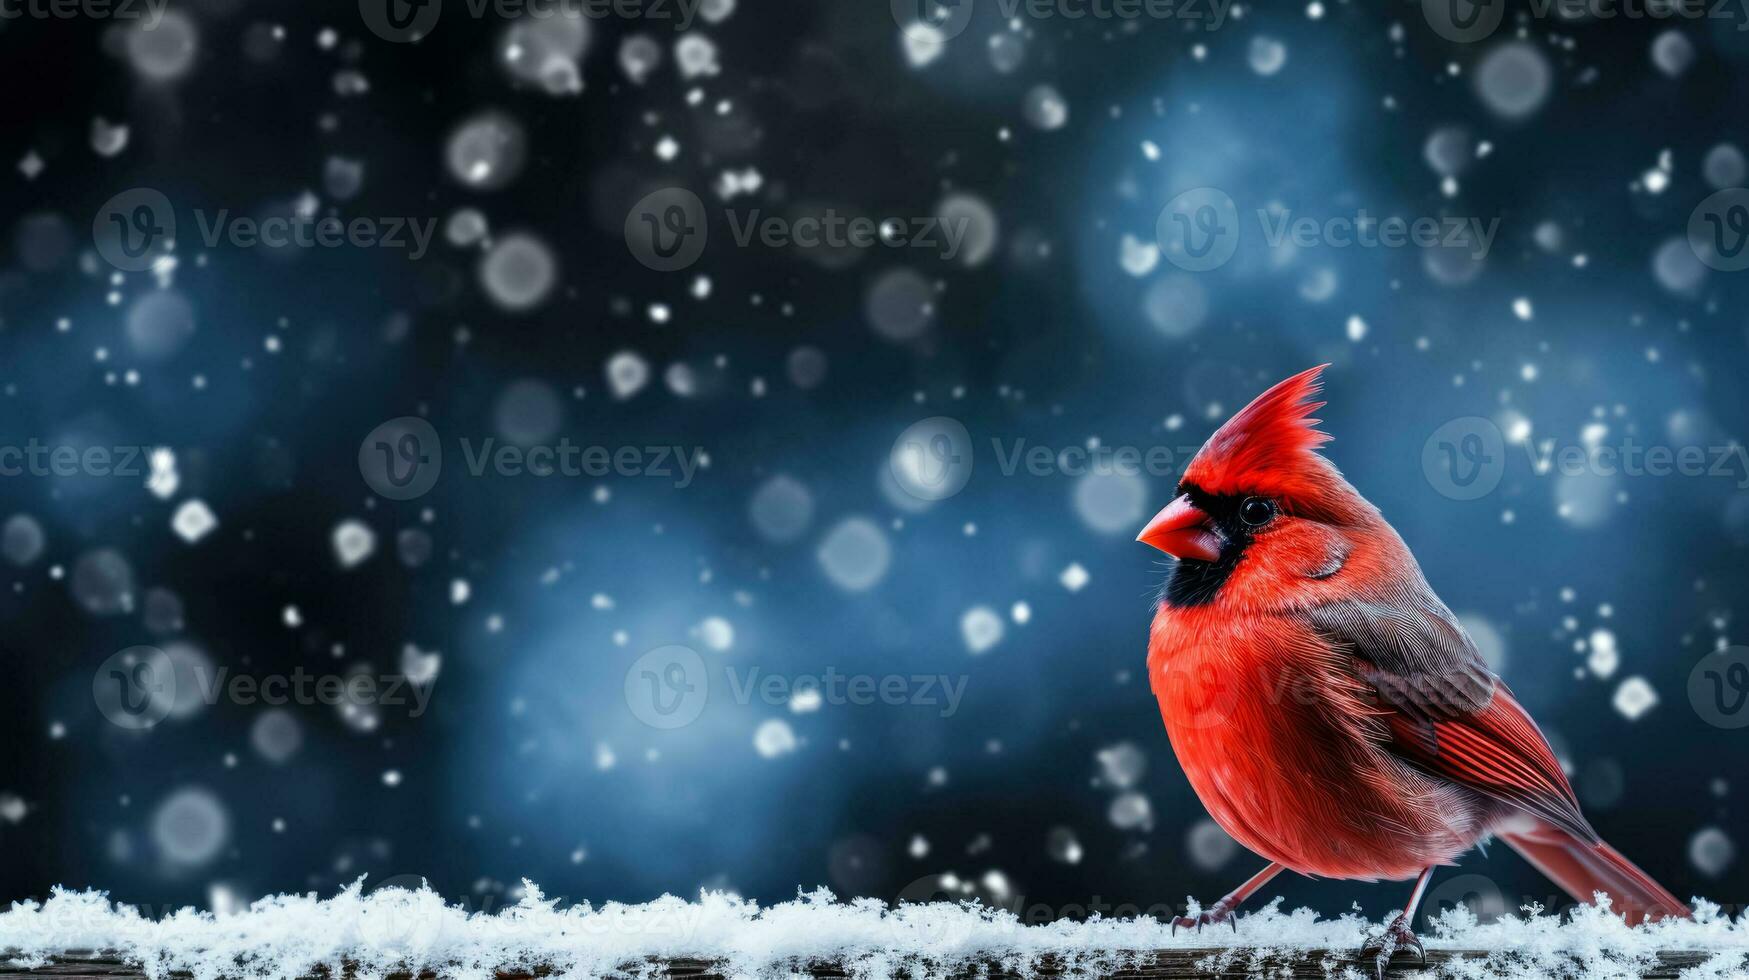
(401, 458)
(666, 231)
(134, 228)
(667, 687)
(1718, 230)
(400, 20)
(1718, 687)
(932, 459)
(136, 688)
(395, 918)
(1199, 229)
(935, 925)
(1465, 458)
(1198, 694)
(1477, 893)
(932, 21)
(1464, 21)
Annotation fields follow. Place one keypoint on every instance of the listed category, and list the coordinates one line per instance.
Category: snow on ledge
(289, 936)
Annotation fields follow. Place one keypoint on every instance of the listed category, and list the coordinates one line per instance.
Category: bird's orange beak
(1182, 531)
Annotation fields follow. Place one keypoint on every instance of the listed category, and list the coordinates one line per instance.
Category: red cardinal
(1330, 711)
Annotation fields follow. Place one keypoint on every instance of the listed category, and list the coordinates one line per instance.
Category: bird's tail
(1583, 868)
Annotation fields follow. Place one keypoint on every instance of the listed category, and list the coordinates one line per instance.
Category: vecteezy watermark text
(316, 231)
(670, 686)
(565, 458)
(667, 230)
(402, 459)
(149, 12)
(947, 19)
(1363, 230)
(40, 459)
(1468, 21)
(942, 691)
(1014, 456)
(411, 20)
(136, 227)
(933, 459)
(139, 687)
(1200, 230)
(1466, 458)
(944, 236)
(1212, 13)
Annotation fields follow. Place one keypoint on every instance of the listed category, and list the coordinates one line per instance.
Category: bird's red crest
(1269, 447)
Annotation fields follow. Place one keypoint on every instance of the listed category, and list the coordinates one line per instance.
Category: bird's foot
(1214, 915)
(1397, 938)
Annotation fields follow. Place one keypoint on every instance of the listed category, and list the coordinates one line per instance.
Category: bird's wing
(1444, 711)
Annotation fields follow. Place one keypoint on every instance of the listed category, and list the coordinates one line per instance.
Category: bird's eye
(1256, 511)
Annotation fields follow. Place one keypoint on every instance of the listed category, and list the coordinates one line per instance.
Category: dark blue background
(1048, 341)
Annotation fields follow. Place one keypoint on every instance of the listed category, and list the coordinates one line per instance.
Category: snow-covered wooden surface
(1183, 964)
(397, 933)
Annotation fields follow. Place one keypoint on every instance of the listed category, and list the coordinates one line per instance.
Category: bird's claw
(1396, 938)
(1212, 916)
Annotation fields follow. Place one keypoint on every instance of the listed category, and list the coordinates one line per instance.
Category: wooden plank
(1176, 964)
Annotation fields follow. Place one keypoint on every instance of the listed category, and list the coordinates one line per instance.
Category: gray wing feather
(1414, 654)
